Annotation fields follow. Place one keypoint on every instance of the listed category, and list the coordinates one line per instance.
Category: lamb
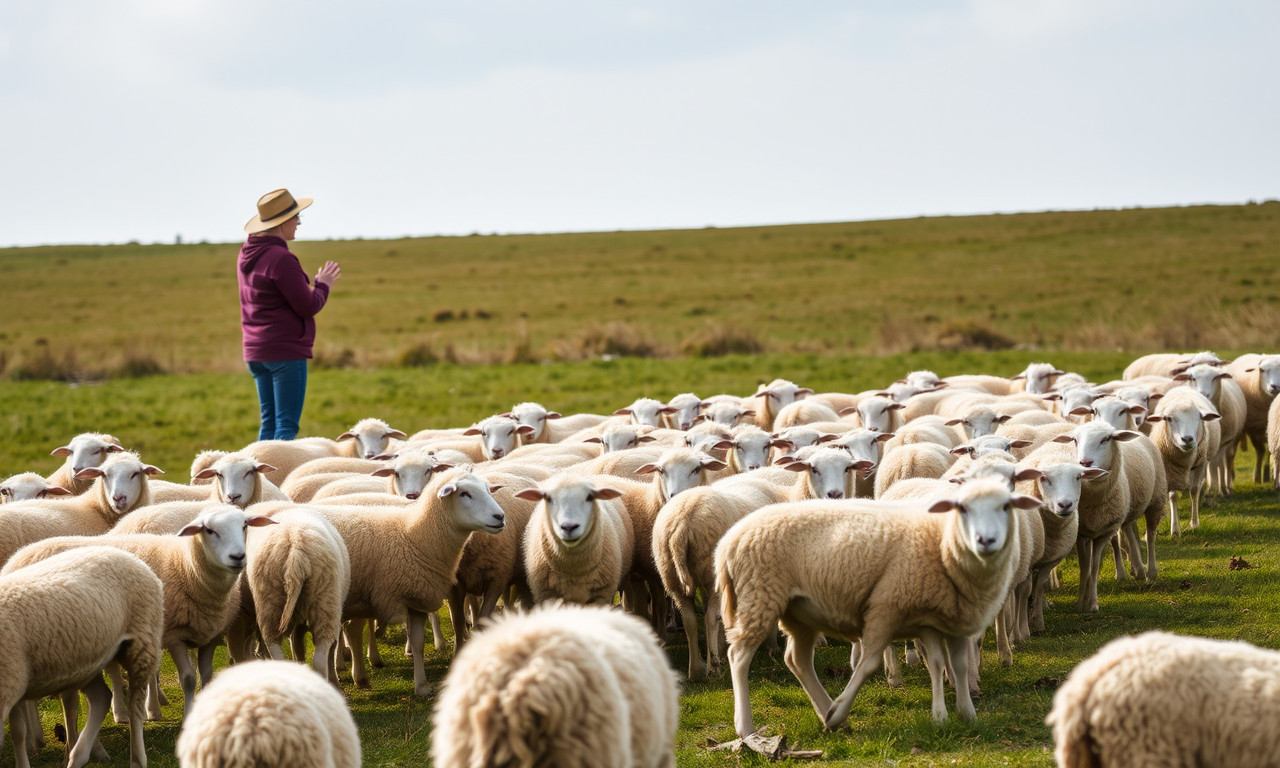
(1185, 430)
(1168, 364)
(369, 438)
(404, 560)
(61, 622)
(197, 568)
(86, 450)
(646, 411)
(1160, 699)
(28, 485)
(579, 545)
(564, 685)
(119, 486)
(269, 713)
(803, 412)
(498, 435)
(848, 569)
(1259, 379)
(915, 460)
(299, 573)
(1228, 400)
(686, 407)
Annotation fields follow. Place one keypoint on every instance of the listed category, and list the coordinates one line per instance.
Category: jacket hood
(255, 247)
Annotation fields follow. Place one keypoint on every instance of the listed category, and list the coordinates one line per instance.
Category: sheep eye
(695, 470)
(465, 494)
(210, 531)
(5, 492)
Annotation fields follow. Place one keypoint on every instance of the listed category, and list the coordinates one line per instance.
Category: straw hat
(275, 207)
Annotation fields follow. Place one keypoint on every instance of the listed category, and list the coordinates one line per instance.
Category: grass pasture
(835, 306)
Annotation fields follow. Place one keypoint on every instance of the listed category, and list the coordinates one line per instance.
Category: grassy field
(835, 307)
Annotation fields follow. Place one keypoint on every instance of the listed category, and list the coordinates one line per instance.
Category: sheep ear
(724, 445)
(442, 467)
(346, 436)
(554, 415)
(1093, 473)
(383, 472)
(1022, 501)
(1019, 443)
(1002, 418)
(646, 439)
(647, 469)
(113, 448)
(747, 412)
(63, 451)
(1051, 396)
(715, 465)
(943, 505)
(1125, 435)
(204, 474)
(847, 410)
(783, 461)
(1137, 410)
(88, 473)
(395, 433)
(797, 465)
(801, 392)
(785, 445)
(1019, 376)
(1181, 377)
(56, 490)
(961, 450)
(494, 489)
(828, 438)
(530, 494)
(1210, 416)
(472, 431)
(1154, 417)
(1154, 396)
(862, 464)
(1029, 473)
(1081, 410)
(265, 468)
(1064, 439)
(191, 530)
(524, 429)
(150, 470)
(598, 440)
(258, 521)
(667, 409)
(448, 489)
(954, 422)
(385, 457)
(883, 437)
(896, 406)
(607, 493)
(622, 412)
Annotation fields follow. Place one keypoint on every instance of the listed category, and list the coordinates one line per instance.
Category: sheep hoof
(363, 685)
(423, 690)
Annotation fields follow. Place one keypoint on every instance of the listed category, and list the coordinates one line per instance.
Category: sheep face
(726, 414)
(410, 474)
(571, 508)
(372, 437)
(1184, 424)
(470, 502)
(646, 412)
(794, 438)
(1040, 377)
(533, 416)
(1059, 486)
(922, 380)
(829, 472)
(87, 451)
(236, 478)
(1117, 413)
(686, 407)
(497, 435)
(750, 446)
(1096, 443)
(780, 393)
(876, 413)
(706, 436)
(1205, 379)
(980, 422)
(981, 446)
(221, 531)
(983, 510)
(622, 437)
(123, 478)
(864, 445)
(29, 485)
(1140, 397)
(680, 469)
(1269, 374)
(995, 464)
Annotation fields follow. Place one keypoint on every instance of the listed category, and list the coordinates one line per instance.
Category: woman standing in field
(277, 311)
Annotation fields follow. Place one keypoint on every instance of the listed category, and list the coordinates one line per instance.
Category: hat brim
(258, 224)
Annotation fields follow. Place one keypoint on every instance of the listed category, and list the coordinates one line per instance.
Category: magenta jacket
(277, 303)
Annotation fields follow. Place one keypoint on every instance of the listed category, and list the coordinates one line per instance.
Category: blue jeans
(282, 386)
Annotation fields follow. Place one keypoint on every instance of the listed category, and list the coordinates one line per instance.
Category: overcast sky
(149, 119)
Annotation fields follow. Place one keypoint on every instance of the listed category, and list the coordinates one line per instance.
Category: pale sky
(147, 119)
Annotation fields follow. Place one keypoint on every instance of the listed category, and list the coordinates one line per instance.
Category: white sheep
(61, 622)
(204, 460)
(369, 438)
(1168, 364)
(1185, 429)
(687, 407)
(747, 449)
(726, 413)
(579, 545)
(499, 435)
(198, 568)
(405, 559)
(241, 480)
(299, 573)
(1273, 440)
(1259, 379)
(573, 686)
(288, 455)
(878, 414)
(803, 412)
(623, 436)
(914, 460)
(848, 569)
(646, 411)
(1037, 378)
(771, 398)
(1160, 699)
(119, 486)
(28, 485)
(86, 450)
(269, 713)
(1228, 400)
(995, 385)
(869, 447)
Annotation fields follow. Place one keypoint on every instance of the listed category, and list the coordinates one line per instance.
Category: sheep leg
(958, 650)
(1095, 561)
(1004, 649)
(99, 697)
(437, 634)
(739, 665)
(659, 597)
(457, 600)
(892, 670)
(799, 658)
(119, 709)
(935, 659)
(1134, 548)
(18, 729)
(417, 631)
(204, 659)
(354, 632)
(138, 696)
(911, 656)
(154, 696)
(186, 674)
(1121, 574)
(975, 663)
(375, 655)
(35, 733)
(1084, 553)
(1258, 452)
(1196, 493)
(873, 645)
(688, 615)
(1021, 601)
(298, 643)
(1174, 530)
(70, 699)
(1153, 522)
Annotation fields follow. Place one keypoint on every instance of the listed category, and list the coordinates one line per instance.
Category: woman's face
(289, 229)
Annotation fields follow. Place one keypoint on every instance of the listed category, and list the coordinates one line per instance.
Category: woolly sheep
(198, 568)
(995, 385)
(1184, 428)
(727, 414)
(978, 421)
(86, 450)
(771, 398)
(1168, 364)
(498, 435)
(1273, 440)
(686, 407)
(299, 573)
(1037, 378)
(269, 713)
(1160, 699)
(119, 486)
(579, 545)
(705, 435)
(878, 414)
(747, 449)
(1259, 379)
(331, 465)
(914, 460)
(646, 411)
(406, 477)
(28, 485)
(803, 412)
(288, 455)
(848, 569)
(204, 460)
(1228, 400)
(369, 438)
(621, 437)
(302, 490)
(241, 480)
(868, 447)
(61, 622)
(567, 685)
(404, 560)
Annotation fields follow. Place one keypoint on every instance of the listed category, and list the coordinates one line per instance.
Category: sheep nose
(1066, 506)
(835, 494)
(497, 453)
(568, 528)
(237, 559)
(413, 495)
(369, 454)
(499, 518)
(1086, 462)
(234, 498)
(120, 499)
(751, 467)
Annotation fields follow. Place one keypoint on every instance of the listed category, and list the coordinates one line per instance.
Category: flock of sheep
(927, 512)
